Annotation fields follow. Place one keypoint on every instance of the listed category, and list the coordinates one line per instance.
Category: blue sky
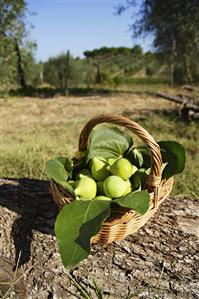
(78, 25)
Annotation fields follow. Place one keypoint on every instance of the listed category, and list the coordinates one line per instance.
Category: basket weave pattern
(122, 221)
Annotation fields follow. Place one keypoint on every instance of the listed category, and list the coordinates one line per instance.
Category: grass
(171, 127)
(82, 291)
(14, 283)
(131, 85)
(34, 130)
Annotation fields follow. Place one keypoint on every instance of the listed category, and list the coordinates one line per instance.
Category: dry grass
(34, 130)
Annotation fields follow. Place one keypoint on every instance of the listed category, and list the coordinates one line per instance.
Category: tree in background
(15, 49)
(58, 71)
(175, 26)
(137, 50)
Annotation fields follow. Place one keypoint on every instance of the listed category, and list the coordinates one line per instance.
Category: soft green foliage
(137, 50)
(175, 157)
(138, 201)
(139, 156)
(139, 178)
(136, 157)
(64, 72)
(75, 225)
(58, 71)
(103, 68)
(60, 169)
(176, 29)
(108, 143)
(100, 188)
(16, 52)
(109, 51)
(8, 72)
(56, 170)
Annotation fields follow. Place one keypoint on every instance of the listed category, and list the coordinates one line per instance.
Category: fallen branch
(189, 110)
(190, 88)
(184, 101)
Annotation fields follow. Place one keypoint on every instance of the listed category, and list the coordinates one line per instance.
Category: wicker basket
(122, 221)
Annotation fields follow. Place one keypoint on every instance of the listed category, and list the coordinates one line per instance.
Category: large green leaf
(68, 164)
(55, 170)
(138, 201)
(75, 225)
(174, 154)
(139, 156)
(60, 169)
(135, 156)
(108, 142)
(68, 188)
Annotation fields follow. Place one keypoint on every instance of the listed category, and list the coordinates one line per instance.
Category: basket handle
(154, 178)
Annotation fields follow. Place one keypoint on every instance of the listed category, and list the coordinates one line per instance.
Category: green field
(35, 130)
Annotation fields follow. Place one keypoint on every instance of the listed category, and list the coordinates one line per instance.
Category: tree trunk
(68, 71)
(173, 58)
(98, 79)
(172, 73)
(20, 69)
(159, 261)
(188, 74)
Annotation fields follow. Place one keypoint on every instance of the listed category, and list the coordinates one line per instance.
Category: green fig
(98, 169)
(114, 186)
(86, 187)
(123, 168)
(102, 198)
(83, 171)
(100, 188)
(129, 188)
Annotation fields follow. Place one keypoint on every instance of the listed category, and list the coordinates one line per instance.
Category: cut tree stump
(160, 260)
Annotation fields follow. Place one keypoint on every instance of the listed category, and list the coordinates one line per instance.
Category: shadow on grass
(30, 199)
(49, 92)
(143, 114)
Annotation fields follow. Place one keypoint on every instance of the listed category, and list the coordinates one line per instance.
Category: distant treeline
(111, 67)
(175, 28)
(112, 51)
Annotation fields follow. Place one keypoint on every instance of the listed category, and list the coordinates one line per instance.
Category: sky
(79, 25)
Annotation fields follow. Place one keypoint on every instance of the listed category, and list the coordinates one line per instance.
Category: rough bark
(160, 260)
(20, 69)
(188, 74)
